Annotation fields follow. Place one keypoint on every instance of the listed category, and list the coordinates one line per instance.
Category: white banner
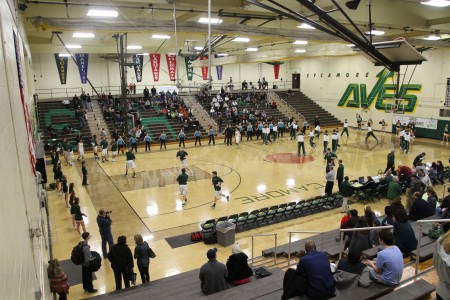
(420, 122)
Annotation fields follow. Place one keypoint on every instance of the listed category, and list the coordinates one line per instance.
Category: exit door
(295, 81)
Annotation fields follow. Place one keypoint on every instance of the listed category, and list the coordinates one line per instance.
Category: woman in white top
(237, 136)
(80, 150)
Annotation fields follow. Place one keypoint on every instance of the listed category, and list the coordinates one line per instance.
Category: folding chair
(221, 220)
(271, 214)
(261, 216)
(233, 218)
(289, 212)
(280, 212)
(251, 218)
(241, 221)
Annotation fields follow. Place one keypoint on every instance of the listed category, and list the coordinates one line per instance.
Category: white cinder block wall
(21, 259)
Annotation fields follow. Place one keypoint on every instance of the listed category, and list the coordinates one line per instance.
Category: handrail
(269, 234)
(420, 237)
(444, 189)
(202, 108)
(341, 234)
(303, 231)
(290, 106)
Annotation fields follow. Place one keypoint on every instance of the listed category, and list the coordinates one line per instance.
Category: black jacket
(238, 267)
(121, 258)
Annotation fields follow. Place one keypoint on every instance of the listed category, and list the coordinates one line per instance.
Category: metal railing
(301, 117)
(444, 189)
(322, 233)
(341, 233)
(269, 234)
(58, 93)
(420, 238)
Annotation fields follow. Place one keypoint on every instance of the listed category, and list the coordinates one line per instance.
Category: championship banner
(26, 114)
(171, 59)
(189, 68)
(276, 70)
(61, 64)
(82, 62)
(219, 70)
(420, 122)
(204, 62)
(260, 70)
(155, 60)
(138, 61)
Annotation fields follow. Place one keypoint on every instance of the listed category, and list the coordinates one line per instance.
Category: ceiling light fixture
(305, 26)
(83, 35)
(102, 13)
(198, 48)
(300, 51)
(73, 46)
(134, 47)
(161, 36)
(212, 21)
(143, 54)
(374, 32)
(64, 55)
(252, 49)
(432, 38)
(300, 43)
(222, 54)
(241, 39)
(437, 3)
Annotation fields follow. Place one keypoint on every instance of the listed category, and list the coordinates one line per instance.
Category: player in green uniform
(130, 162)
(329, 156)
(85, 172)
(217, 183)
(104, 145)
(182, 180)
(114, 150)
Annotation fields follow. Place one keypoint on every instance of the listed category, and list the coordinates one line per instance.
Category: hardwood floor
(151, 204)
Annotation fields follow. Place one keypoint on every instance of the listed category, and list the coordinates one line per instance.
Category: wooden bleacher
(309, 109)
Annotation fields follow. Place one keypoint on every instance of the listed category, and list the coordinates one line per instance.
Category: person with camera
(122, 262)
(104, 225)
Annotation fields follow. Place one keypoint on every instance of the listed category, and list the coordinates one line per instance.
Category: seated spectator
(444, 204)
(238, 270)
(432, 201)
(389, 219)
(213, 274)
(404, 236)
(351, 272)
(351, 223)
(273, 105)
(312, 277)
(388, 268)
(419, 208)
(441, 260)
(394, 190)
(360, 239)
(147, 104)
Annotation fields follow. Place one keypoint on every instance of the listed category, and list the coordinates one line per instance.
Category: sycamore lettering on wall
(355, 96)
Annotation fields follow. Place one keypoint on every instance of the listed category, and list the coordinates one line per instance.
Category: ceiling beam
(438, 21)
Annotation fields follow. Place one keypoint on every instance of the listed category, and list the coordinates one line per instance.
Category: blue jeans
(107, 238)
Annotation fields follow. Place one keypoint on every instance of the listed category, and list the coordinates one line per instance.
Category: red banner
(171, 65)
(204, 62)
(155, 60)
(276, 70)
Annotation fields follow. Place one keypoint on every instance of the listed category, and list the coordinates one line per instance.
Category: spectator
(238, 270)
(141, 253)
(58, 279)
(389, 219)
(346, 192)
(351, 223)
(312, 277)
(444, 204)
(86, 273)
(121, 262)
(351, 272)
(213, 274)
(424, 178)
(404, 236)
(104, 225)
(394, 190)
(419, 158)
(441, 260)
(388, 268)
(419, 208)
(360, 239)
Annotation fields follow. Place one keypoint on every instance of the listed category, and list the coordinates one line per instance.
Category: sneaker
(228, 198)
(68, 205)
(184, 203)
(134, 176)
(91, 291)
(126, 175)
(213, 206)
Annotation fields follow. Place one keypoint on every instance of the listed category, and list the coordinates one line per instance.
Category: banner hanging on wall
(155, 61)
(260, 70)
(171, 59)
(31, 151)
(82, 62)
(138, 61)
(61, 64)
(276, 70)
(189, 68)
(420, 122)
(204, 61)
(219, 70)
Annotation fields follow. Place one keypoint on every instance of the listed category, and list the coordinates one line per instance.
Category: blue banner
(82, 62)
(219, 70)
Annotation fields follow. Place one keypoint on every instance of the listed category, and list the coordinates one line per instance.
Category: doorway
(296, 81)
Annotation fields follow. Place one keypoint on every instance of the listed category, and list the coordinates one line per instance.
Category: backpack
(96, 262)
(196, 236)
(211, 239)
(77, 256)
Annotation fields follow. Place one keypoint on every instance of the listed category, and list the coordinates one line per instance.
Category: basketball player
(370, 133)
(182, 180)
(217, 184)
(325, 141)
(104, 145)
(301, 143)
(183, 158)
(130, 162)
(311, 138)
(345, 129)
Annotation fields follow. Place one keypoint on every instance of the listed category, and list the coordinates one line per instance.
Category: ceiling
(271, 32)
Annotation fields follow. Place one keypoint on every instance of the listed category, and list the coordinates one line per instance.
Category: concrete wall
(22, 257)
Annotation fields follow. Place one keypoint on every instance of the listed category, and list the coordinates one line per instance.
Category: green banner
(189, 68)
(61, 64)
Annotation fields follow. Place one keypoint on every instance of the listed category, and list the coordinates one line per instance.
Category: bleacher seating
(309, 109)
(61, 116)
(416, 290)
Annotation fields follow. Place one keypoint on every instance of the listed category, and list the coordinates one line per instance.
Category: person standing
(183, 158)
(346, 191)
(330, 182)
(113, 150)
(301, 143)
(317, 131)
(181, 137)
(311, 138)
(213, 274)
(441, 260)
(340, 174)
(133, 140)
(445, 134)
(58, 279)
(383, 126)
(141, 254)
(345, 129)
(198, 136)
(121, 144)
(104, 225)
(147, 140)
(121, 262)
(334, 141)
(237, 137)
(325, 141)
(359, 121)
(104, 145)
(390, 161)
(249, 131)
(84, 172)
(329, 156)
(370, 134)
(294, 127)
(94, 146)
(217, 184)
(182, 180)
(80, 150)
(211, 136)
(86, 273)
(79, 215)
(162, 139)
(316, 120)
(229, 135)
(406, 141)
(130, 162)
